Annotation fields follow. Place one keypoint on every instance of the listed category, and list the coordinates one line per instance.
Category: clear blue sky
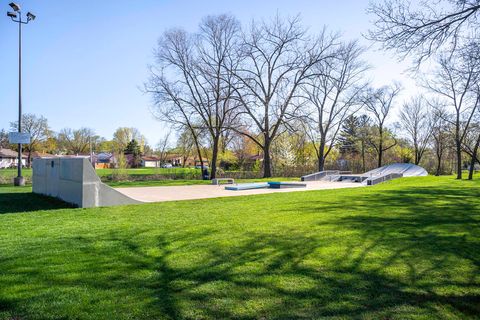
(84, 61)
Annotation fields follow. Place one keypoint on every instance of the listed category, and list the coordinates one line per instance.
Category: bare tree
(379, 103)
(123, 135)
(330, 95)
(172, 105)
(471, 143)
(38, 129)
(415, 120)
(474, 159)
(185, 145)
(75, 141)
(471, 146)
(4, 139)
(276, 57)
(441, 132)
(453, 81)
(162, 148)
(426, 28)
(191, 77)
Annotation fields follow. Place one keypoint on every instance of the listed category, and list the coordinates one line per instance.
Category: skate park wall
(75, 181)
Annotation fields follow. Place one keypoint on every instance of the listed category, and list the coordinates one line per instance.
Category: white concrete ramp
(379, 175)
(75, 181)
(406, 169)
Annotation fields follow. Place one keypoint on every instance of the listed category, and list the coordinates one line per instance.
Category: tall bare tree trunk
(199, 151)
(439, 163)
(417, 154)
(267, 160)
(213, 172)
(459, 158)
(321, 156)
(380, 149)
(364, 166)
(474, 159)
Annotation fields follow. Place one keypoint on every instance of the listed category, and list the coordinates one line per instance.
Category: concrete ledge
(281, 185)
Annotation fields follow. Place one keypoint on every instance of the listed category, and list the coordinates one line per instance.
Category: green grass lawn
(407, 249)
(7, 175)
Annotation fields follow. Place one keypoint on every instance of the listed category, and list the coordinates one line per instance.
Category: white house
(8, 158)
(150, 162)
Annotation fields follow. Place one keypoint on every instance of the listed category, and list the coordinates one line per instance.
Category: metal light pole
(19, 180)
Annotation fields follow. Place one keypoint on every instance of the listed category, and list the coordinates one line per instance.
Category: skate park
(76, 182)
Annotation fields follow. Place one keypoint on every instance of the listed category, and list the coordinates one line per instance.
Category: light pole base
(19, 181)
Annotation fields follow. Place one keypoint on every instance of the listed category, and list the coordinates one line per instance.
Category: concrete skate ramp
(406, 169)
(75, 181)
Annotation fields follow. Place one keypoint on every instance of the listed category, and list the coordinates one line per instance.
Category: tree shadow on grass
(408, 254)
(285, 286)
(26, 202)
(263, 275)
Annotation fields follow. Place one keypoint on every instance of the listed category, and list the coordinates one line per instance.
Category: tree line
(273, 78)
(70, 141)
(282, 95)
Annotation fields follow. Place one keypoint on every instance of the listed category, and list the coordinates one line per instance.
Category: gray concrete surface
(75, 181)
(173, 193)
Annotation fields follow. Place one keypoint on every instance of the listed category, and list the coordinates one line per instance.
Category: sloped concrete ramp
(379, 175)
(75, 181)
(406, 169)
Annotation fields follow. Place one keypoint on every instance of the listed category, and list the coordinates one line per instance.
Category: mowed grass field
(406, 249)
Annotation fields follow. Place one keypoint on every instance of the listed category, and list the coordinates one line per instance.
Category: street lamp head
(30, 16)
(12, 15)
(14, 6)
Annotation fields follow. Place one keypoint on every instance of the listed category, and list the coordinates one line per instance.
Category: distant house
(179, 161)
(249, 161)
(174, 159)
(150, 162)
(8, 158)
(104, 160)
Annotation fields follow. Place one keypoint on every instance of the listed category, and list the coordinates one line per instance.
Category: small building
(174, 159)
(8, 158)
(104, 160)
(150, 162)
(178, 160)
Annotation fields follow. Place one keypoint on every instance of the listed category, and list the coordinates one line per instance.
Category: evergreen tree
(354, 137)
(348, 137)
(133, 148)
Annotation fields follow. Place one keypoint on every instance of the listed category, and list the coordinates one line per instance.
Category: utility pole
(19, 180)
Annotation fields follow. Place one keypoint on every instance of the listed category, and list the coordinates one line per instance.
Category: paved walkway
(173, 193)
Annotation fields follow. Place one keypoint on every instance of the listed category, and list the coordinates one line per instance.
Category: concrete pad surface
(174, 193)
